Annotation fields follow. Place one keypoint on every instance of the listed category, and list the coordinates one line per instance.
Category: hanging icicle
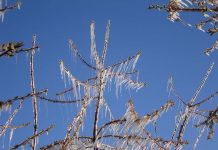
(11, 135)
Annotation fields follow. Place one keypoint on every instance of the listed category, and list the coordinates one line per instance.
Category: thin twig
(190, 108)
(16, 98)
(18, 126)
(14, 6)
(206, 99)
(124, 61)
(73, 47)
(62, 101)
(32, 137)
(4, 128)
(18, 51)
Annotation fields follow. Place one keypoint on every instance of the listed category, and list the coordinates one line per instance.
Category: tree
(206, 8)
(127, 132)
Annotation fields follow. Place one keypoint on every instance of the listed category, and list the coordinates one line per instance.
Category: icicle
(19, 5)
(62, 71)
(93, 45)
(72, 47)
(135, 61)
(206, 15)
(0, 4)
(200, 26)
(199, 136)
(170, 85)
(2, 14)
(11, 135)
(189, 2)
(3, 144)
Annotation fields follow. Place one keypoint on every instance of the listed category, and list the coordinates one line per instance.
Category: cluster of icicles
(174, 15)
(117, 73)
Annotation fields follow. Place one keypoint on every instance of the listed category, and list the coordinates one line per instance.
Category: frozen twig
(4, 9)
(32, 137)
(61, 101)
(5, 127)
(191, 108)
(76, 51)
(106, 42)
(17, 126)
(7, 103)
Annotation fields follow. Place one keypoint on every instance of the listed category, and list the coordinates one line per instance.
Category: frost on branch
(208, 9)
(4, 8)
(190, 111)
(210, 121)
(210, 50)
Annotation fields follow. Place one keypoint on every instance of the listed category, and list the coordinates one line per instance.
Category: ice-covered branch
(5, 8)
(127, 64)
(206, 99)
(207, 9)
(190, 108)
(76, 124)
(94, 54)
(10, 51)
(71, 88)
(34, 98)
(32, 137)
(105, 42)
(17, 126)
(5, 127)
(123, 80)
(60, 101)
(75, 82)
(210, 122)
(76, 52)
(4, 105)
(171, 87)
(211, 49)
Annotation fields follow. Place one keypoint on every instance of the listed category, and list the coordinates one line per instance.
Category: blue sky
(167, 49)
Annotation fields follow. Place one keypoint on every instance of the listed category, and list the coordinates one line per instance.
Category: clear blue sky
(167, 49)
